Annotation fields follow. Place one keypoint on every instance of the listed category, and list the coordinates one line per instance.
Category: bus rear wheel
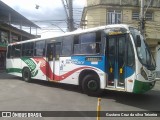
(26, 75)
(91, 85)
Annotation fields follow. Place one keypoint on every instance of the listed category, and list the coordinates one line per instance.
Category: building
(103, 12)
(11, 25)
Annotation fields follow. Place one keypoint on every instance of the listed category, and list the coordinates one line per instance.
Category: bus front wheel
(26, 75)
(91, 85)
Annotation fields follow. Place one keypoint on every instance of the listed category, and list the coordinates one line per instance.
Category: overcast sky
(49, 15)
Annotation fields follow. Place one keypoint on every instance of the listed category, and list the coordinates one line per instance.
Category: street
(17, 95)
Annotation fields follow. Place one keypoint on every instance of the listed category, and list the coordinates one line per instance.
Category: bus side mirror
(138, 41)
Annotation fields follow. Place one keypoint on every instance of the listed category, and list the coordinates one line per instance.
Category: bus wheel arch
(90, 82)
(26, 74)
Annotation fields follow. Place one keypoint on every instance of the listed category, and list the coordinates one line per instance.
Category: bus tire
(91, 85)
(26, 75)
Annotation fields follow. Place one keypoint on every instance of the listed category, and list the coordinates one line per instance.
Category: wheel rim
(92, 85)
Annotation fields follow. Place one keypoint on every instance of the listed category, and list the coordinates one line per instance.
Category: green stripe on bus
(17, 70)
(30, 63)
(142, 87)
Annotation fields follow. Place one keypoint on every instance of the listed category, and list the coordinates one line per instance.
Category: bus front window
(144, 53)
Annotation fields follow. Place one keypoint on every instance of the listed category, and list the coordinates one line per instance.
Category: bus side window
(98, 48)
(130, 55)
(58, 50)
(39, 48)
(50, 52)
(76, 45)
(88, 43)
(17, 51)
(9, 51)
(67, 46)
(98, 42)
(27, 49)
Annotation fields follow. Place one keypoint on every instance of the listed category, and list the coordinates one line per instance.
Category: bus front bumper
(142, 87)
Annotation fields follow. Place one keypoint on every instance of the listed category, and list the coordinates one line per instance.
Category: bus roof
(75, 32)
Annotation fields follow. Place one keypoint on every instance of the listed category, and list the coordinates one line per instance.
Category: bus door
(116, 61)
(53, 53)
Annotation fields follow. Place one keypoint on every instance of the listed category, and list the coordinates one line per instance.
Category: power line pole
(66, 12)
(71, 22)
(142, 18)
(68, 7)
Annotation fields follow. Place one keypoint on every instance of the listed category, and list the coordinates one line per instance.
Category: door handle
(121, 70)
(111, 70)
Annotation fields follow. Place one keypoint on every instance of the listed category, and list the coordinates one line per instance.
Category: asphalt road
(17, 95)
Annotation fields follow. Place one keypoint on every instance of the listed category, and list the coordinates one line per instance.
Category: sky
(50, 15)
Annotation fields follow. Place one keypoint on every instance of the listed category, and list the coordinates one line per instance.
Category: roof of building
(16, 30)
(16, 18)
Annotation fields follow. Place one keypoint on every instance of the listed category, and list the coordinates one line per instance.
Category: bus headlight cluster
(143, 73)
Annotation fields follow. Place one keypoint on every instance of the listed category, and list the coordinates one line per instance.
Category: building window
(114, 17)
(135, 15)
(15, 38)
(148, 15)
(4, 38)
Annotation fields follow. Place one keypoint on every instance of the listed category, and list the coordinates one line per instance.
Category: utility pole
(68, 7)
(71, 23)
(142, 18)
(66, 12)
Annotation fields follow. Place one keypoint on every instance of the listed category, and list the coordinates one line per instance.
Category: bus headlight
(143, 73)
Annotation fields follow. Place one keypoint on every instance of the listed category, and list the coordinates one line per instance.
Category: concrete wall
(96, 17)
(154, 3)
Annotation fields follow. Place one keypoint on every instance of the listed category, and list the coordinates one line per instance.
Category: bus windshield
(144, 53)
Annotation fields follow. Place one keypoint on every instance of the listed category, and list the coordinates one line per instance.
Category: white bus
(113, 57)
